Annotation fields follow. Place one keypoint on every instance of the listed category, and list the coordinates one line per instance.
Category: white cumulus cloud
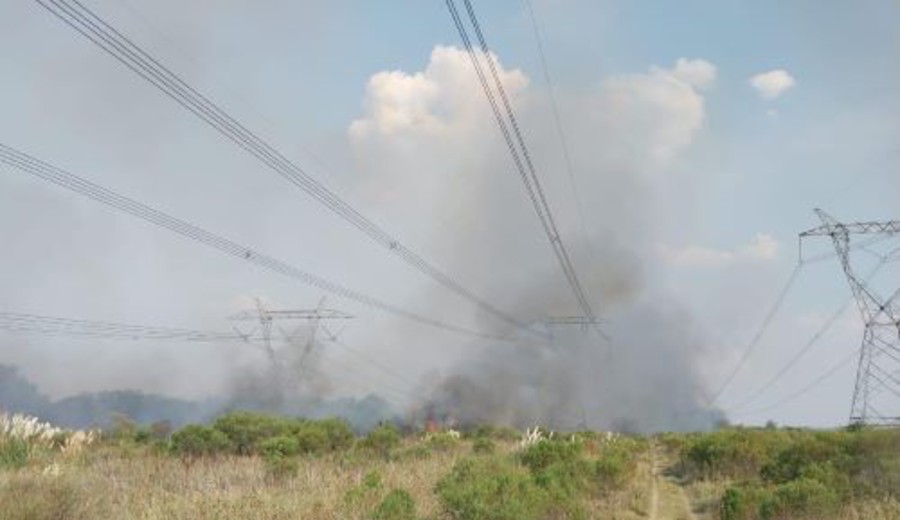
(698, 73)
(772, 84)
(660, 111)
(442, 98)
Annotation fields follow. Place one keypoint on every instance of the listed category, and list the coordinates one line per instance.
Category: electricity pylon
(267, 318)
(876, 395)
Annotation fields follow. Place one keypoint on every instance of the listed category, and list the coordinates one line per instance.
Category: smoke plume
(429, 138)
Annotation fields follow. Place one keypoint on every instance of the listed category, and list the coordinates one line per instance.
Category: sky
(701, 135)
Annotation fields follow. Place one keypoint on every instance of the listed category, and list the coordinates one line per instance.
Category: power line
(806, 348)
(53, 325)
(371, 360)
(833, 370)
(759, 333)
(512, 135)
(120, 47)
(22, 323)
(62, 178)
(557, 120)
(793, 361)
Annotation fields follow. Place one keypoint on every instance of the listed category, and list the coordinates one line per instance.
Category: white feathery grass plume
(32, 430)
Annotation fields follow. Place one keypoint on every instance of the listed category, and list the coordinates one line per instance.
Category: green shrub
(797, 499)
(491, 488)
(311, 439)
(489, 431)
(797, 456)
(14, 453)
(543, 454)
(366, 491)
(483, 446)
(323, 436)
(872, 461)
(732, 453)
(195, 440)
(280, 468)
(382, 440)
(415, 452)
(615, 465)
(442, 442)
(397, 505)
(279, 447)
(246, 430)
(338, 432)
(732, 505)
(804, 498)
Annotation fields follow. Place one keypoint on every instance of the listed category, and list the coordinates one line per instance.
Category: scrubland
(254, 466)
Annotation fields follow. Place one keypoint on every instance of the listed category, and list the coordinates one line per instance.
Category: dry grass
(705, 496)
(629, 503)
(138, 484)
(106, 482)
(110, 483)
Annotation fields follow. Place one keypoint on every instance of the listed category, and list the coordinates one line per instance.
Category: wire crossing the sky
(39, 324)
(509, 128)
(557, 120)
(814, 383)
(98, 31)
(26, 323)
(759, 333)
(809, 344)
(50, 173)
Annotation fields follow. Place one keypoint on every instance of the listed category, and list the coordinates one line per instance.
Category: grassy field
(252, 466)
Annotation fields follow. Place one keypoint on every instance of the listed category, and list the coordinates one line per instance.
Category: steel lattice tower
(267, 318)
(876, 395)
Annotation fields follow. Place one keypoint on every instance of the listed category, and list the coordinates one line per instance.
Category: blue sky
(712, 222)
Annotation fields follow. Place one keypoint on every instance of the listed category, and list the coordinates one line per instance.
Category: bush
(196, 440)
(279, 447)
(312, 440)
(797, 457)
(280, 467)
(338, 433)
(543, 454)
(734, 453)
(14, 453)
(500, 433)
(739, 504)
(491, 488)
(442, 441)
(804, 498)
(615, 465)
(397, 505)
(483, 446)
(382, 440)
(246, 430)
(415, 452)
(798, 499)
(366, 491)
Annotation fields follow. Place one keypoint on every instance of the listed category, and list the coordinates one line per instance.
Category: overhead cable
(62, 178)
(123, 49)
(512, 135)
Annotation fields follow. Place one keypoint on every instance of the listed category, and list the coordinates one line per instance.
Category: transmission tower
(267, 318)
(876, 395)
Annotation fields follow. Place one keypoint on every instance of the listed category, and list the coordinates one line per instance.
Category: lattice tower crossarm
(876, 394)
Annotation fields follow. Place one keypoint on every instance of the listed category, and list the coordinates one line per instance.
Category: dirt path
(654, 484)
(668, 499)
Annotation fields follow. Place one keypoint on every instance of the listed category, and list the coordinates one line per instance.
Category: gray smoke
(430, 165)
(623, 140)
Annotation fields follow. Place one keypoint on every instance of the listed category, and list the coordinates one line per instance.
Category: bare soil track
(668, 499)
